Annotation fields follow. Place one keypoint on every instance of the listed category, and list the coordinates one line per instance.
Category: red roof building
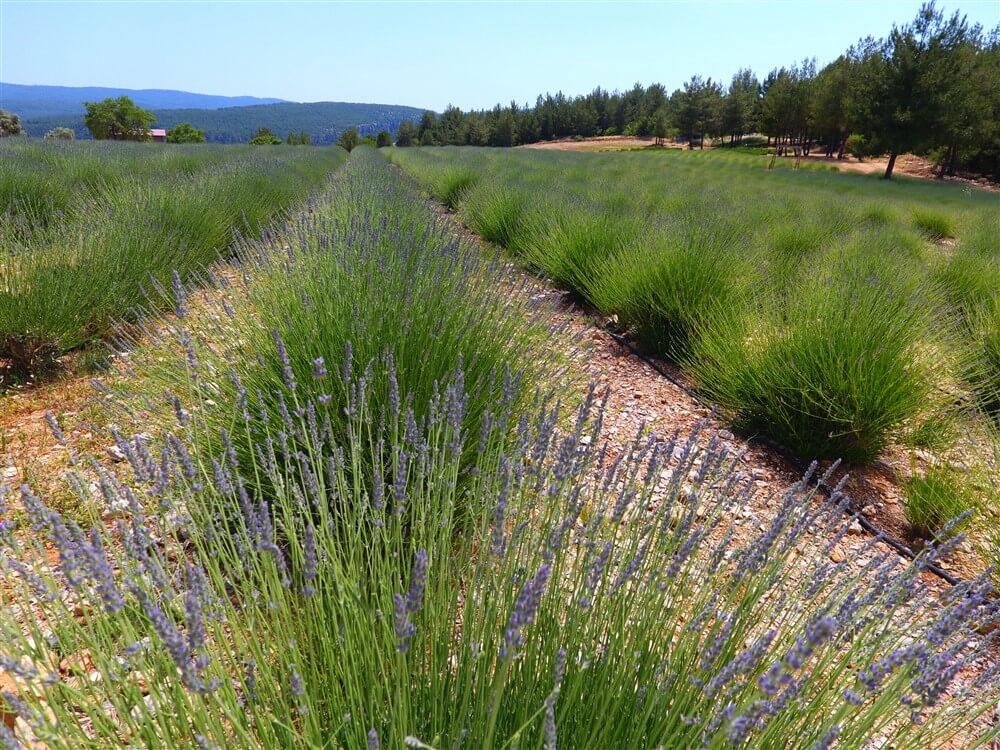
(159, 135)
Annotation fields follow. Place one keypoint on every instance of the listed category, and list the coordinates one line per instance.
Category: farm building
(159, 135)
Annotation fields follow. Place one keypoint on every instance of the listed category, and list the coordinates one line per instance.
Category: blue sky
(471, 54)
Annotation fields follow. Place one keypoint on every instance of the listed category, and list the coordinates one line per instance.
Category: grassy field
(358, 515)
(836, 313)
(89, 226)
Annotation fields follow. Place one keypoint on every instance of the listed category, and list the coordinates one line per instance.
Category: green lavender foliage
(367, 277)
(817, 308)
(91, 225)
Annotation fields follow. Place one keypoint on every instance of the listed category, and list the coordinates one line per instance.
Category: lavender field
(358, 499)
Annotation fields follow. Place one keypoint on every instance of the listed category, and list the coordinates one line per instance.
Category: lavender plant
(591, 601)
(366, 288)
(661, 242)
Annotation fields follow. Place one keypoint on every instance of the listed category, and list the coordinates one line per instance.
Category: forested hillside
(323, 121)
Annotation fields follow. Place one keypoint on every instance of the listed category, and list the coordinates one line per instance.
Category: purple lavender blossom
(180, 295)
(101, 574)
(525, 609)
(250, 681)
(499, 532)
(405, 607)
(288, 374)
(829, 737)
(310, 561)
(8, 740)
(319, 368)
(373, 743)
(594, 576)
(551, 739)
(56, 430)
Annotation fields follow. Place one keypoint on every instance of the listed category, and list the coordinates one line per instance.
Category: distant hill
(32, 102)
(323, 121)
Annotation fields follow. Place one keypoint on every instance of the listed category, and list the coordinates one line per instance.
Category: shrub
(60, 134)
(184, 132)
(937, 226)
(348, 140)
(264, 137)
(856, 146)
(10, 124)
(934, 500)
(838, 375)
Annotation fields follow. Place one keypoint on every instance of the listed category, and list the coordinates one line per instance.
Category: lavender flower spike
(525, 610)
(405, 607)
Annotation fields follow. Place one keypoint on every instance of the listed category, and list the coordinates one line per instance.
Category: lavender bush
(368, 286)
(590, 602)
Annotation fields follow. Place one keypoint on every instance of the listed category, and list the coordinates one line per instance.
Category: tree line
(931, 87)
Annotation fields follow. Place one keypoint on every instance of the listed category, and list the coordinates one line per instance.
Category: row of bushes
(394, 543)
(810, 306)
(93, 234)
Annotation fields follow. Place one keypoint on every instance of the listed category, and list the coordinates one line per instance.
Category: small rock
(10, 472)
(150, 704)
(118, 509)
(726, 435)
(837, 555)
(116, 453)
(855, 528)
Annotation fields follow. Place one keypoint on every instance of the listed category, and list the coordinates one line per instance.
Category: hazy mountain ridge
(32, 102)
(224, 119)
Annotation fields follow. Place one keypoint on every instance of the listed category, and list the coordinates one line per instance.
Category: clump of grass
(663, 287)
(878, 214)
(969, 279)
(494, 212)
(570, 245)
(935, 499)
(984, 370)
(934, 224)
(452, 186)
(839, 374)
